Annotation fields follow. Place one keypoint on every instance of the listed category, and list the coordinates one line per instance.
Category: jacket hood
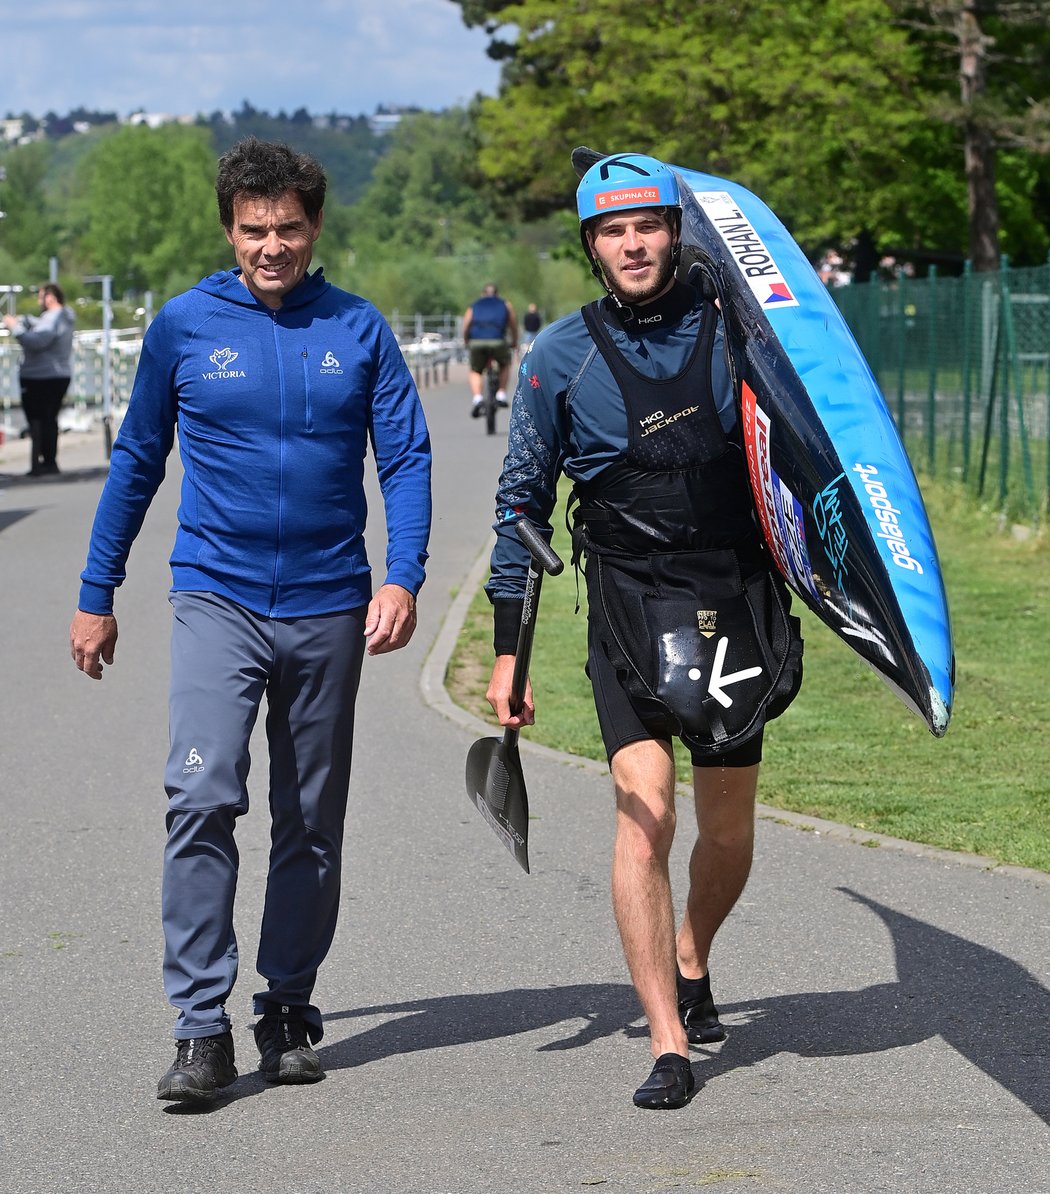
(226, 284)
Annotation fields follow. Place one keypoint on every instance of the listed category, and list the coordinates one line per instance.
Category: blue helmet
(624, 181)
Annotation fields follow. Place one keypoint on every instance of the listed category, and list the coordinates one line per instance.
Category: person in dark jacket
(45, 372)
(531, 323)
(688, 630)
(278, 383)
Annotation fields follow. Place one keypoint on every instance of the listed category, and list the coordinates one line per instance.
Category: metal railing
(84, 400)
(429, 345)
(964, 365)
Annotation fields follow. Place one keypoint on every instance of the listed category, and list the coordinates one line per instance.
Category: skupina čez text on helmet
(626, 181)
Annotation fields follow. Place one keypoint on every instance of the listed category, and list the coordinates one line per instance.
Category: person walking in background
(278, 382)
(531, 324)
(490, 332)
(45, 372)
(632, 399)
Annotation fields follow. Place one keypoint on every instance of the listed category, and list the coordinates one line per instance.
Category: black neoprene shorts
(620, 724)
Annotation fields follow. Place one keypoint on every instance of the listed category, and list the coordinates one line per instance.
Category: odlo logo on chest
(330, 364)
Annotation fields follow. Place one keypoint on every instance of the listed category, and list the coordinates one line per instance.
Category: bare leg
(475, 380)
(643, 773)
(721, 859)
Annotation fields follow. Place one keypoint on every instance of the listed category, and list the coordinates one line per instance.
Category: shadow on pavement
(8, 518)
(982, 1003)
(250, 1082)
(97, 472)
(605, 1008)
(986, 1006)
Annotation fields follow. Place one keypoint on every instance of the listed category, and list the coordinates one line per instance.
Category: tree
(803, 97)
(425, 194)
(829, 109)
(28, 233)
(150, 213)
(995, 57)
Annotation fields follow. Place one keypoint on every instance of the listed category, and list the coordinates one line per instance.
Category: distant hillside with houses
(349, 146)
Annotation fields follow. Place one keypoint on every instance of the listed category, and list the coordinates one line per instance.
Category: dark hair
(54, 290)
(267, 170)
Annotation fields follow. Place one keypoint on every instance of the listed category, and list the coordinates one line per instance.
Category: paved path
(889, 1010)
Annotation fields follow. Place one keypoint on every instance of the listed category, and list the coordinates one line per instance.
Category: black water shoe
(203, 1066)
(698, 1011)
(284, 1045)
(671, 1084)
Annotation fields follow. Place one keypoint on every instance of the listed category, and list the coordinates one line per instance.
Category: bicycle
(489, 389)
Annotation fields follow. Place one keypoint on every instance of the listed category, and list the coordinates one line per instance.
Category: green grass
(847, 749)
(1007, 484)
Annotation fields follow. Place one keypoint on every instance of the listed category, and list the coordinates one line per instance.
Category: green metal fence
(964, 365)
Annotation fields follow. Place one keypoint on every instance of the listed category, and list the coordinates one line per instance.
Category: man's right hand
(498, 695)
(92, 641)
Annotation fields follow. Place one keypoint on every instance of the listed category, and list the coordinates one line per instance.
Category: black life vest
(680, 587)
(682, 483)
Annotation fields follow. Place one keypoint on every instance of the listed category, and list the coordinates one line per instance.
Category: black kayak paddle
(495, 782)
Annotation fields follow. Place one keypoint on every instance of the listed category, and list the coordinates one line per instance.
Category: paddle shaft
(523, 653)
(542, 559)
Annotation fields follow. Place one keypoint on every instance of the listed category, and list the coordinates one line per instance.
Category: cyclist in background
(490, 332)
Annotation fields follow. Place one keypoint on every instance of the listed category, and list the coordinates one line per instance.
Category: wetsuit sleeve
(136, 469)
(401, 442)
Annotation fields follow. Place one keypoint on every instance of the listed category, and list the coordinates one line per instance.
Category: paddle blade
(496, 785)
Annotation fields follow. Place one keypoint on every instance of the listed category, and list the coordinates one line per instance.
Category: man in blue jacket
(278, 382)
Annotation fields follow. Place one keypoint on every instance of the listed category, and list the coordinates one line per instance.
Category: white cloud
(191, 56)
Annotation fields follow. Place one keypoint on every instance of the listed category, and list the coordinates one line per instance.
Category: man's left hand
(391, 619)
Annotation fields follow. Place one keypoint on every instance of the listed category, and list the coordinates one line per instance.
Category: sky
(182, 57)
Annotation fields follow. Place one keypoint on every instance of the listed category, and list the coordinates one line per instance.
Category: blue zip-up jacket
(569, 417)
(275, 410)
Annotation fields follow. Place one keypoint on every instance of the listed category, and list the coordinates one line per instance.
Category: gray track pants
(223, 660)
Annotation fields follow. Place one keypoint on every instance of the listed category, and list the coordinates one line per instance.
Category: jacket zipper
(280, 470)
(306, 388)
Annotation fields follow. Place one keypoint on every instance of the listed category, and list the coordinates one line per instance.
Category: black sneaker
(203, 1065)
(476, 408)
(285, 1048)
(698, 1011)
